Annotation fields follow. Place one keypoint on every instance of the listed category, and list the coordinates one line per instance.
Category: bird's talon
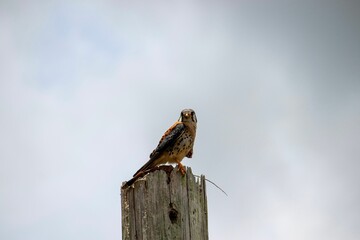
(181, 169)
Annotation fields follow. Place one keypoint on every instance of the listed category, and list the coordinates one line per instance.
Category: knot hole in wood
(173, 214)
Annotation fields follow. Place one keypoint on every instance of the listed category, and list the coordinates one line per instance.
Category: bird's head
(188, 115)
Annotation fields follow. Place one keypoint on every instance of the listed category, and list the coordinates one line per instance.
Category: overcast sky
(87, 88)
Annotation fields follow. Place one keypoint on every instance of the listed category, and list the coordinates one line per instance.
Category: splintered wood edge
(166, 168)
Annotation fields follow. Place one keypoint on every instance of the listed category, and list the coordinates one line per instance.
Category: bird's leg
(181, 168)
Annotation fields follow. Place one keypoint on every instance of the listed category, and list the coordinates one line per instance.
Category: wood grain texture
(165, 205)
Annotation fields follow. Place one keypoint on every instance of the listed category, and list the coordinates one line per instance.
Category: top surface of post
(164, 204)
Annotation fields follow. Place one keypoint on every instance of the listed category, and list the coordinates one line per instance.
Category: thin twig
(213, 184)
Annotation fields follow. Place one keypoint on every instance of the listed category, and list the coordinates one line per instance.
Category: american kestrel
(176, 143)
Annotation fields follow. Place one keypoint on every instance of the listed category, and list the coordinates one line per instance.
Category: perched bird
(176, 143)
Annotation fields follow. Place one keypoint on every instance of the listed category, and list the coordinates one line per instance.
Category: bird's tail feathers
(150, 164)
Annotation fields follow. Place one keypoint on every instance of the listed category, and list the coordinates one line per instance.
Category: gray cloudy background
(88, 87)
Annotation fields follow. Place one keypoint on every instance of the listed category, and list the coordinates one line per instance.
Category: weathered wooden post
(165, 205)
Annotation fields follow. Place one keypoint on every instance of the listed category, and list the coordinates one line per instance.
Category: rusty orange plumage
(176, 143)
